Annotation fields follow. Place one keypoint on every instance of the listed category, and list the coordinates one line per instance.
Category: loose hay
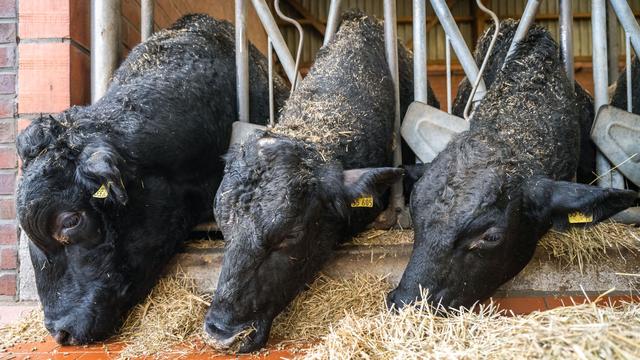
(172, 313)
(591, 245)
(327, 301)
(578, 332)
(29, 329)
(355, 308)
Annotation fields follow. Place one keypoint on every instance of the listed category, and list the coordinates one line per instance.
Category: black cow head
(87, 245)
(477, 221)
(281, 209)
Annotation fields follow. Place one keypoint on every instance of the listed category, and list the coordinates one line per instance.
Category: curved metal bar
(300, 42)
(496, 24)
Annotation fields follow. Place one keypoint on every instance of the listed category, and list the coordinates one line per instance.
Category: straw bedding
(580, 332)
(349, 317)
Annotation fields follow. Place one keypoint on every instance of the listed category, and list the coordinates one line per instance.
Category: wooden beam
(309, 18)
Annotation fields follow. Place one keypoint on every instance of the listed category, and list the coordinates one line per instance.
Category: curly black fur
(154, 141)
(284, 201)
(584, 101)
(485, 201)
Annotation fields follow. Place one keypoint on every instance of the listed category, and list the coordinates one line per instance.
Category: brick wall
(8, 159)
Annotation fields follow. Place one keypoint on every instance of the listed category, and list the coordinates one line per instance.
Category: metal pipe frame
(420, 50)
(279, 45)
(332, 21)
(627, 59)
(447, 55)
(528, 17)
(272, 111)
(391, 51)
(628, 22)
(242, 60)
(600, 85)
(566, 39)
(146, 19)
(105, 40)
(459, 46)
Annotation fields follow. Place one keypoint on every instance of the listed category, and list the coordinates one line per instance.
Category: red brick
(8, 157)
(7, 183)
(7, 8)
(44, 73)
(7, 33)
(8, 284)
(8, 259)
(7, 84)
(44, 18)
(7, 209)
(23, 123)
(7, 106)
(7, 131)
(8, 234)
(8, 55)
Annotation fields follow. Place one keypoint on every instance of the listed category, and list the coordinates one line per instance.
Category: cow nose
(63, 337)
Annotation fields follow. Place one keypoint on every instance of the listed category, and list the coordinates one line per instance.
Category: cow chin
(244, 338)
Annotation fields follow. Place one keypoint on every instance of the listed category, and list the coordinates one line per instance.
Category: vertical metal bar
(447, 54)
(146, 19)
(279, 45)
(242, 61)
(105, 41)
(272, 118)
(600, 81)
(628, 22)
(420, 50)
(627, 59)
(613, 45)
(528, 17)
(391, 50)
(332, 21)
(459, 46)
(566, 38)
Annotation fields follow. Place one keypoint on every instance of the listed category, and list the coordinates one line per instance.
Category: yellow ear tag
(580, 218)
(102, 193)
(363, 201)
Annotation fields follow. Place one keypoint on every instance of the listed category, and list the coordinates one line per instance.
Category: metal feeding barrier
(616, 132)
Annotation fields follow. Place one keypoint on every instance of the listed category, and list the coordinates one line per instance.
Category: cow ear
(369, 181)
(41, 133)
(99, 172)
(566, 202)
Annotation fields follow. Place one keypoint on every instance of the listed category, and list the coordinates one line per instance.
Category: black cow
(109, 191)
(484, 202)
(286, 197)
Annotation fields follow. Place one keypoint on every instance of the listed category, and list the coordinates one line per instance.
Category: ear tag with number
(102, 192)
(580, 218)
(363, 201)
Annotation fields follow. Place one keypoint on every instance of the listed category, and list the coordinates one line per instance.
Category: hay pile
(29, 329)
(326, 302)
(593, 244)
(585, 331)
(172, 313)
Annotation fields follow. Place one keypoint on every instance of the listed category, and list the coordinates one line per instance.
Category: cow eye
(492, 237)
(69, 220)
